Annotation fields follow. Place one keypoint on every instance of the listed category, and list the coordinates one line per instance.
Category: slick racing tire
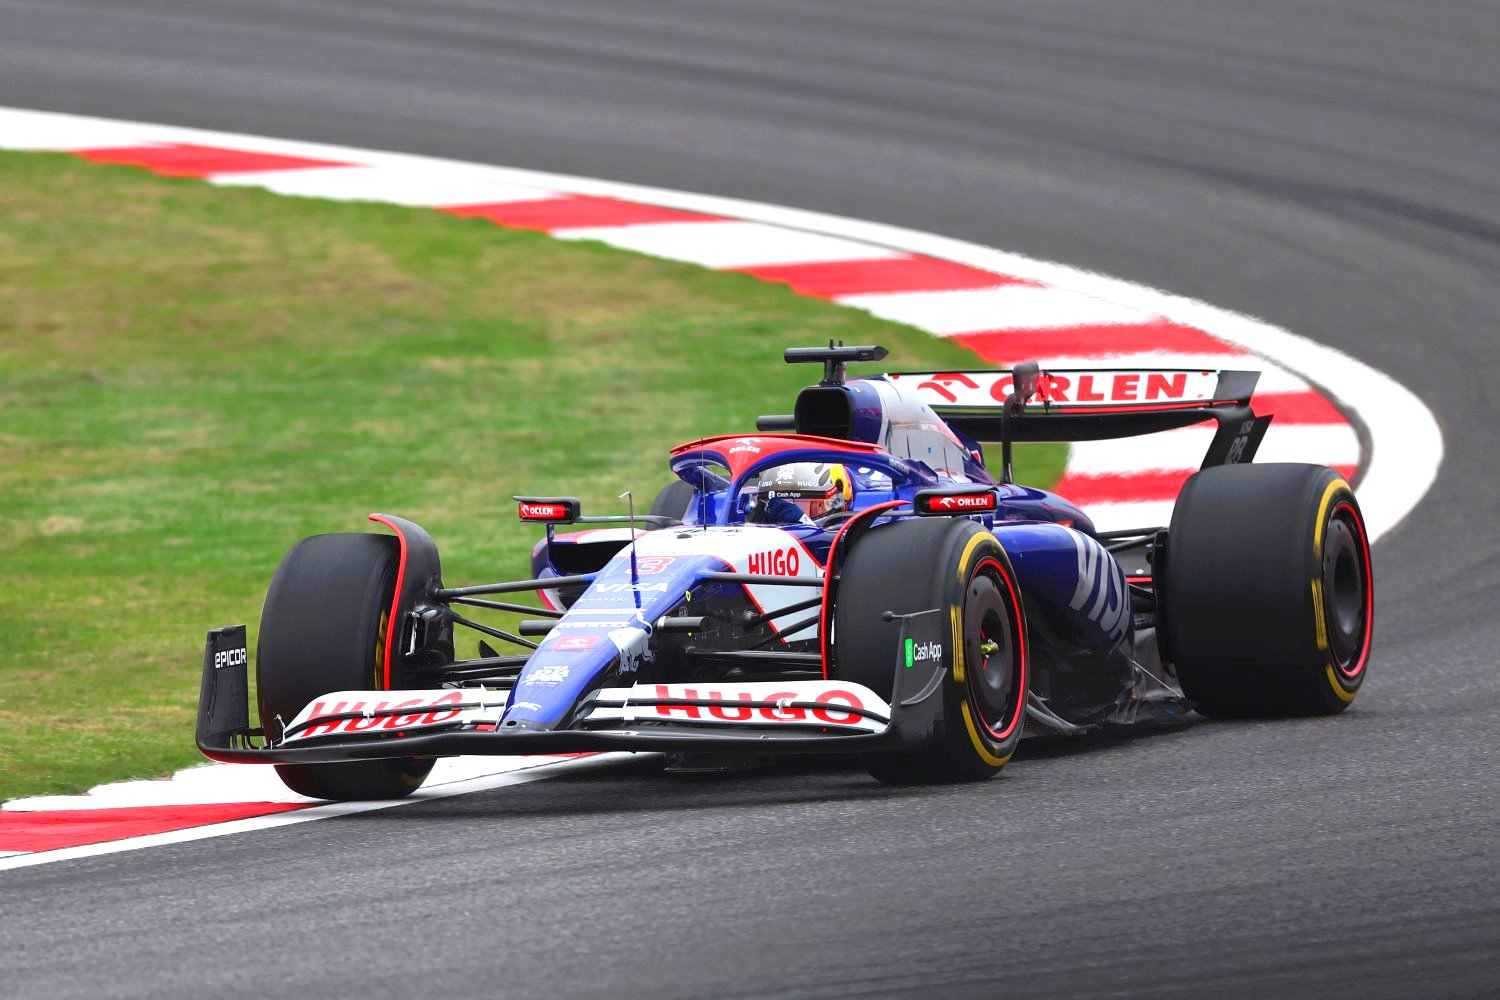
(1267, 605)
(673, 501)
(958, 567)
(323, 629)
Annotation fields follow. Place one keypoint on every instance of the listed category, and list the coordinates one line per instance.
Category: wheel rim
(1347, 596)
(380, 630)
(994, 651)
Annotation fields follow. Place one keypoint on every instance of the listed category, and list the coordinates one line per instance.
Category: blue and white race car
(851, 578)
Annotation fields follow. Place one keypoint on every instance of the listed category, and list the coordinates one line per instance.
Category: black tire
(673, 501)
(957, 566)
(1267, 603)
(323, 629)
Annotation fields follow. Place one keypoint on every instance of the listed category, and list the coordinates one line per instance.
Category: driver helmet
(801, 491)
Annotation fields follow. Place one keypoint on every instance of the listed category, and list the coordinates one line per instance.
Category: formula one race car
(852, 578)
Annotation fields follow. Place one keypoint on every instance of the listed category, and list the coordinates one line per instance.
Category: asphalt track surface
(1329, 166)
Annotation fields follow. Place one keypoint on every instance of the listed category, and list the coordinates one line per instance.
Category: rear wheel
(323, 629)
(959, 568)
(1268, 599)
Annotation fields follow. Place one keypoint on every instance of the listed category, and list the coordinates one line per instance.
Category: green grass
(192, 378)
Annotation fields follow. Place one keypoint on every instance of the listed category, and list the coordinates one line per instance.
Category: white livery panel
(761, 703)
(396, 711)
(760, 549)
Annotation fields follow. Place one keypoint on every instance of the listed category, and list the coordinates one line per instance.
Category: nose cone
(606, 633)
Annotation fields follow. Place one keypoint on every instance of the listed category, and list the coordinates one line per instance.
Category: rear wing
(1094, 404)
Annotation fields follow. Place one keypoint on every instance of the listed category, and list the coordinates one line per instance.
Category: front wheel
(959, 568)
(323, 629)
(673, 500)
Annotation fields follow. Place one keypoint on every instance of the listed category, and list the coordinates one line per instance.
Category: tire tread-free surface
(320, 632)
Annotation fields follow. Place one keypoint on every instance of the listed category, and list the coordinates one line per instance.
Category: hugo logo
(782, 562)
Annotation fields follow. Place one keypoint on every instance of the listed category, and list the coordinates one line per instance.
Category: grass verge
(192, 378)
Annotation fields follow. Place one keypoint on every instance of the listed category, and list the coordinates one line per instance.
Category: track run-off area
(1327, 167)
(1006, 307)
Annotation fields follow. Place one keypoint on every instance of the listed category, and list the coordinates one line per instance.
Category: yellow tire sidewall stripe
(978, 741)
(975, 738)
(1333, 487)
(1339, 690)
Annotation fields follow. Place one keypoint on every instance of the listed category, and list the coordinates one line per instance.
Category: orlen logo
(940, 381)
(985, 501)
(956, 503)
(229, 658)
(829, 705)
(782, 562)
(544, 511)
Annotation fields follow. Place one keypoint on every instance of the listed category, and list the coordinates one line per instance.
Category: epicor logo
(230, 658)
(921, 652)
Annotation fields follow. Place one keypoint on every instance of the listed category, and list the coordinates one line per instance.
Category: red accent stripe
(1359, 524)
(899, 274)
(1306, 407)
(391, 628)
(1123, 487)
(574, 213)
(829, 574)
(1095, 341)
(1015, 603)
(1136, 487)
(184, 160)
(51, 830)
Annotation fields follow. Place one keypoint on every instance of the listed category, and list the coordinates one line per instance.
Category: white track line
(536, 772)
(392, 185)
(1017, 306)
(205, 784)
(1336, 444)
(726, 244)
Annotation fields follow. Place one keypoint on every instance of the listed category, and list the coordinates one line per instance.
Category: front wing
(758, 718)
